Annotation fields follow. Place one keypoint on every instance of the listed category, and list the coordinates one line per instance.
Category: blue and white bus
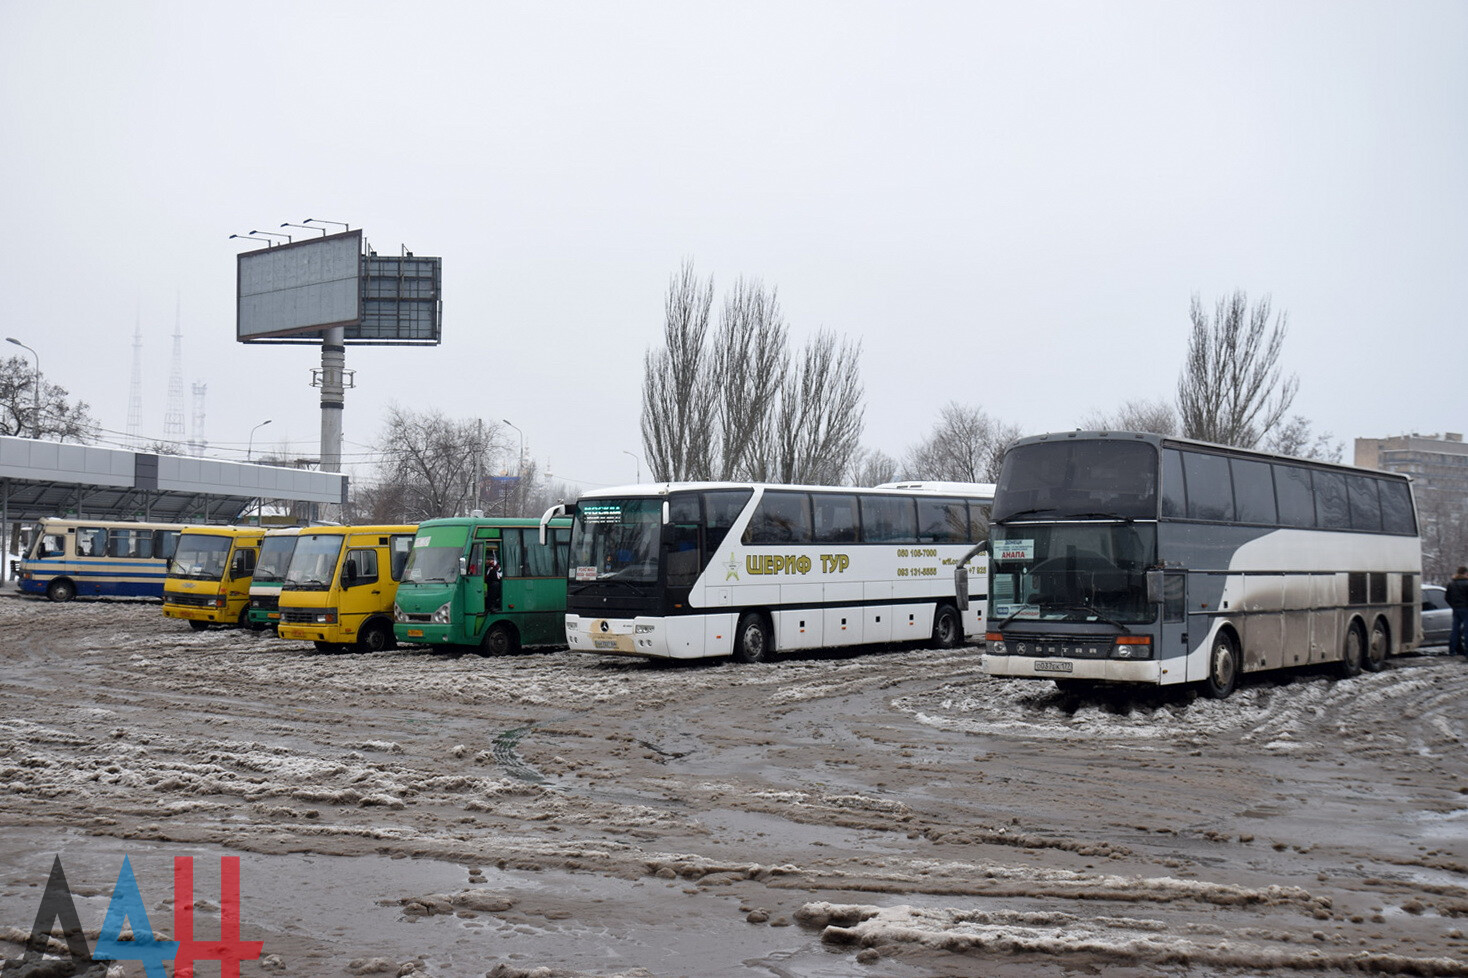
(1136, 558)
(95, 558)
(693, 570)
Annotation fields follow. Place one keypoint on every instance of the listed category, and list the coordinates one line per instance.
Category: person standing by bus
(1457, 595)
(492, 578)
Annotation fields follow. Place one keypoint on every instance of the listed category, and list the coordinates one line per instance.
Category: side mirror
(237, 566)
(1154, 586)
(960, 586)
(463, 566)
(349, 573)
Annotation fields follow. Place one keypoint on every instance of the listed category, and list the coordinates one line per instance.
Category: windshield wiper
(1012, 617)
(1029, 512)
(1088, 609)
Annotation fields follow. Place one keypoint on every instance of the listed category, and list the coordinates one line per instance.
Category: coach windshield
(1091, 479)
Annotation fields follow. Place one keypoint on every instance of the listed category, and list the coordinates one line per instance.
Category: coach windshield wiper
(1094, 611)
(1030, 512)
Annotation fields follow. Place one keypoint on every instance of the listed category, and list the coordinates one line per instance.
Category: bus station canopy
(47, 478)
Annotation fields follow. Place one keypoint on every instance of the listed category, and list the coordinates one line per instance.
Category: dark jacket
(1458, 592)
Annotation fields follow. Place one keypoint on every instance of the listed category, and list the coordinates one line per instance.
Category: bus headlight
(643, 629)
(994, 643)
(397, 613)
(444, 614)
(1132, 647)
(326, 616)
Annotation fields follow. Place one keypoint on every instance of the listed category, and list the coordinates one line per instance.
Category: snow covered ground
(884, 812)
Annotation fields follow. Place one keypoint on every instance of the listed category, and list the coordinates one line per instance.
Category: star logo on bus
(731, 568)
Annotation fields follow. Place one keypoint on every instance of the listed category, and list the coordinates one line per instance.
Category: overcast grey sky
(1009, 205)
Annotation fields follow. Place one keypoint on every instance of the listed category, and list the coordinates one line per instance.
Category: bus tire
(752, 639)
(198, 626)
(61, 590)
(501, 640)
(329, 647)
(1223, 668)
(947, 627)
(1378, 647)
(375, 637)
(1353, 652)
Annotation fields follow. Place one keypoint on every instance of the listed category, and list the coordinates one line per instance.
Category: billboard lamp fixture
(317, 220)
(288, 224)
(253, 238)
(275, 234)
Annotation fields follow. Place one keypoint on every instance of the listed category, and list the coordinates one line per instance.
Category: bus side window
(561, 541)
(165, 543)
(364, 563)
(91, 541)
(243, 564)
(512, 553)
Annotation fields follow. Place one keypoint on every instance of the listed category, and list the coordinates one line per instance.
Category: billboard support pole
(333, 392)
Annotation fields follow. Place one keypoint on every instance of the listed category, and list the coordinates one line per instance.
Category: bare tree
(1297, 437)
(1231, 390)
(871, 468)
(1442, 518)
(677, 397)
(749, 362)
(1157, 417)
(966, 446)
(817, 428)
(59, 418)
(738, 405)
(432, 464)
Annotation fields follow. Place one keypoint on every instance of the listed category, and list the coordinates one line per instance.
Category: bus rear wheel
(501, 640)
(1223, 669)
(1353, 652)
(61, 590)
(947, 629)
(752, 639)
(1377, 648)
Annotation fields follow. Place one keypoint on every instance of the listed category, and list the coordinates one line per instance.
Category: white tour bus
(1136, 558)
(694, 570)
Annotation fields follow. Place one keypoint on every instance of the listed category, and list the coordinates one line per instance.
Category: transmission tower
(198, 443)
(135, 393)
(173, 417)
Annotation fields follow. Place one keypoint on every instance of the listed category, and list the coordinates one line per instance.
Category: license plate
(1059, 665)
(604, 643)
(415, 633)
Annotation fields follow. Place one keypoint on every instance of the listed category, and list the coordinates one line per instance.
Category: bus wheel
(947, 630)
(501, 640)
(327, 646)
(376, 637)
(1223, 669)
(61, 590)
(752, 639)
(198, 626)
(1377, 648)
(1353, 653)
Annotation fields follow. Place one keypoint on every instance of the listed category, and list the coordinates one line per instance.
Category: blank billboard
(299, 288)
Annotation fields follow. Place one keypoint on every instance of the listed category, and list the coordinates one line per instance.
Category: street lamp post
(250, 450)
(519, 463)
(639, 464)
(249, 454)
(36, 404)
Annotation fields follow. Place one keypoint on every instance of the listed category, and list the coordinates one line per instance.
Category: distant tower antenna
(173, 418)
(135, 393)
(198, 443)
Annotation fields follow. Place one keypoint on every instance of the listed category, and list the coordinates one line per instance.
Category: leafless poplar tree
(818, 425)
(432, 464)
(966, 446)
(677, 396)
(1155, 416)
(737, 405)
(1232, 390)
(1442, 518)
(750, 354)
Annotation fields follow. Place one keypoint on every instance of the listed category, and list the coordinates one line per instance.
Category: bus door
(474, 586)
(1173, 636)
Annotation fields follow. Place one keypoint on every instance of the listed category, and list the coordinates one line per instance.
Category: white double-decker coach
(696, 570)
